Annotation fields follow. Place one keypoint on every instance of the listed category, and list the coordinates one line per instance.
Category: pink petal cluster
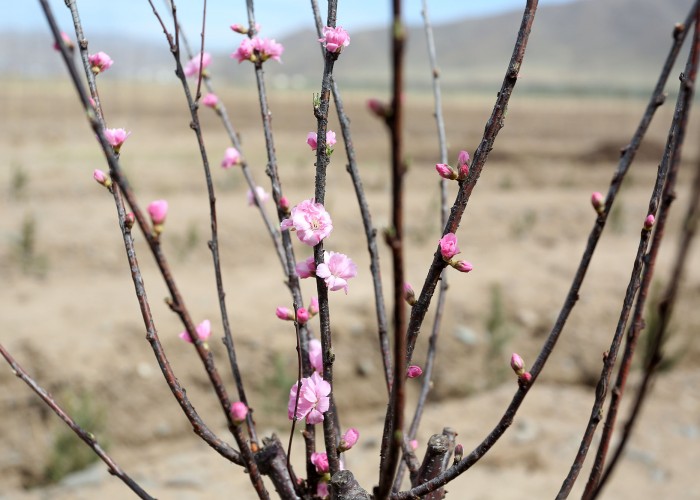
(414, 371)
(311, 222)
(312, 139)
(203, 332)
(336, 270)
(320, 460)
(348, 440)
(306, 268)
(448, 246)
(210, 100)
(231, 157)
(316, 355)
(260, 193)
(313, 399)
(334, 39)
(66, 41)
(158, 210)
(239, 411)
(116, 137)
(193, 65)
(251, 49)
(100, 62)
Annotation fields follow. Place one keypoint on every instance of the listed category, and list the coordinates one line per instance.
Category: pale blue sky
(277, 17)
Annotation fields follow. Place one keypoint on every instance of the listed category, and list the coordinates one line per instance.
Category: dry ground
(71, 319)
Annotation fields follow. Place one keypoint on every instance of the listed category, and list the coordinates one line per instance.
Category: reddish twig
(392, 436)
(86, 436)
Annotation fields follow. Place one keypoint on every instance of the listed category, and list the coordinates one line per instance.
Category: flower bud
(158, 210)
(409, 294)
(525, 379)
(649, 222)
(348, 440)
(129, 220)
(302, 315)
(285, 313)
(284, 204)
(378, 108)
(598, 202)
(239, 411)
(462, 266)
(313, 306)
(210, 101)
(517, 364)
(239, 28)
(459, 452)
(463, 164)
(445, 171)
(413, 444)
(414, 371)
(102, 178)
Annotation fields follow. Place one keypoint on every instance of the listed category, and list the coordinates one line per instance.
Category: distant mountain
(586, 44)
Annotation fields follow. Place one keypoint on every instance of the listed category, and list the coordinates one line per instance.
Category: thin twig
(675, 143)
(115, 171)
(392, 436)
(86, 436)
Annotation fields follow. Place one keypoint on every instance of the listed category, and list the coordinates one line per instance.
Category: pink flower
(116, 137)
(445, 171)
(334, 39)
(268, 48)
(598, 202)
(66, 41)
(313, 306)
(102, 178)
(239, 411)
(285, 313)
(302, 315)
(306, 268)
(312, 140)
(313, 399)
(462, 266)
(649, 222)
(336, 270)
(322, 491)
(210, 100)
(158, 210)
(316, 355)
(193, 65)
(231, 157)
(311, 222)
(100, 62)
(517, 364)
(414, 371)
(203, 332)
(260, 193)
(244, 52)
(348, 440)
(448, 246)
(320, 460)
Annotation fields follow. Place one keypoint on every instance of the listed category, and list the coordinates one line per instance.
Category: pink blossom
(193, 65)
(517, 364)
(116, 137)
(100, 62)
(414, 371)
(649, 222)
(239, 411)
(102, 178)
(462, 266)
(313, 399)
(66, 41)
(210, 100)
(320, 460)
(231, 157)
(306, 268)
(322, 491)
(448, 246)
(336, 270)
(597, 201)
(445, 171)
(312, 139)
(349, 439)
(244, 52)
(260, 193)
(302, 315)
(463, 164)
(285, 313)
(316, 355)
(268, 48)
(203, 332)
(334, 39)
(158, 210)
(313, 306)
(311, 222)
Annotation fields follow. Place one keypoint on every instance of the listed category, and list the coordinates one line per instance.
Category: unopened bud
(525, 379)
(102, 178)
(348, 440)
(517, 364)
(239, 28)
(463, 164)
(414, 371)
(649, 222)
(598, 202)
(285, 313)
(302, 315)
(409, 294)
(239, 411)
(129, 220)
(462, 266)
(313, 306)
(413, 444)
(459, 452)
(284, 204)
(445, 171)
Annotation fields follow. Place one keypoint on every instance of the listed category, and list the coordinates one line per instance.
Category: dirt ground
(71, 319)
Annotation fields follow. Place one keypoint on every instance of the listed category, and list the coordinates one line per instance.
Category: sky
(276, 17)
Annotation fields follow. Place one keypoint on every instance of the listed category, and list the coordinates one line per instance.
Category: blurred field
(71, 319)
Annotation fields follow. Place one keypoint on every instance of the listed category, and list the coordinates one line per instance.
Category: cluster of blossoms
(518, 366)
(448, 249)
(100, 62)
(258, 49)
(312, 141)
(334, 39)
(447, 172)
(304, 314)
(201, 60)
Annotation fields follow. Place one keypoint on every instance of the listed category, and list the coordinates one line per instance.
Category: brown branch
(86, 436)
